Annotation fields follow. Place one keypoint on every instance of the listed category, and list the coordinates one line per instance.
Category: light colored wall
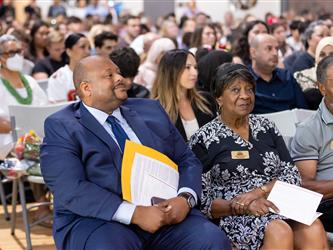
(214, 8)
(133, 6)
(217, 8)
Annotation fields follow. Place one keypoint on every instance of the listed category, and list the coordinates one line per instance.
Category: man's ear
(322, 88)
(85, 89)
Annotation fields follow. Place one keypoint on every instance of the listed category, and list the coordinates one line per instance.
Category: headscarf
(322, 44)
(160, 45)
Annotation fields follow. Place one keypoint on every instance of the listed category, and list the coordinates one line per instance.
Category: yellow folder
(131, 150)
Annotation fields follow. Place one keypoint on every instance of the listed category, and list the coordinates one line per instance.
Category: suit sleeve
(64, 174)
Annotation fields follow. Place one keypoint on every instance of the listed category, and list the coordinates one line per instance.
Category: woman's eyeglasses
(11, 53)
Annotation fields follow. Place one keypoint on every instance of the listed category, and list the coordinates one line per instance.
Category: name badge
(240, 155)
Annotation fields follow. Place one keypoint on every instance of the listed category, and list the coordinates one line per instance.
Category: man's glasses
(11, 53)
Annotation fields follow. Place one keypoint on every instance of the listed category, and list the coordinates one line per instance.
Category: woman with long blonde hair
(175, 88)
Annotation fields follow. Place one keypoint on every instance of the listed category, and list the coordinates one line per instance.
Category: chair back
(31, 117)
(286, 121)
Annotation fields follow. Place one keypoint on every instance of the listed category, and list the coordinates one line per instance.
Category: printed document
(295, 202)
(147, 173)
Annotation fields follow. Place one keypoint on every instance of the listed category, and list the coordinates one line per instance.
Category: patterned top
(225, 177)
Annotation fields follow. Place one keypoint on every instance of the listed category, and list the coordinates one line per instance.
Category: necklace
(27, 100)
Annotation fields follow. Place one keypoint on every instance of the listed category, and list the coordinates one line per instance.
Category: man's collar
(256, 76)
(326, 115)
(100, 115)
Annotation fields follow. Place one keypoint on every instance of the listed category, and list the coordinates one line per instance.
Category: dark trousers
(195, 232)
(326, 207)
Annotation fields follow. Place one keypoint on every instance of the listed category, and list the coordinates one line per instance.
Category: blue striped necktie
(118, 131)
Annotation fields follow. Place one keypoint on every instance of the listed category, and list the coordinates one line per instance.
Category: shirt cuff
(124, 213)
(189, 190)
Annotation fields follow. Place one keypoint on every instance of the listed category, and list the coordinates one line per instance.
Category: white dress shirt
(126, 209)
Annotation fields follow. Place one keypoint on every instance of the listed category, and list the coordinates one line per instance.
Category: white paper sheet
(151, 178)
(295, 202)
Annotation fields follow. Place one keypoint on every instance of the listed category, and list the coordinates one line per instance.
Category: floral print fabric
(225, 177)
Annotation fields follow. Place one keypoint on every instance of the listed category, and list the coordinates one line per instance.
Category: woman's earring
(220, 107)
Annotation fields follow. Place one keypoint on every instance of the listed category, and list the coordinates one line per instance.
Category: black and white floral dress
(225, 177)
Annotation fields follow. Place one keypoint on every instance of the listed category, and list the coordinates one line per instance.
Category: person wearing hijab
(307, 78)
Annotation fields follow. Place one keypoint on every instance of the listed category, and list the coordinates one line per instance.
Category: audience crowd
(198, 88)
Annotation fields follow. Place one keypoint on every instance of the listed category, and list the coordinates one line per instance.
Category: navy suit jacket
(81, 164)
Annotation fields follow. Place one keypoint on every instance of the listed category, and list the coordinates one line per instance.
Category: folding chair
(6, 142)
(3, 198)
(21, 125)
(287, 120)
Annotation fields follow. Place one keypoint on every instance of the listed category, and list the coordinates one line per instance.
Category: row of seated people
(188, 75)
(234, 189)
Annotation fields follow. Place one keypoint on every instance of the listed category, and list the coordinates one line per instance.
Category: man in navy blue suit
(81, 163)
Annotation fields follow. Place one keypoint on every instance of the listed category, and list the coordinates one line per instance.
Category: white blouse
(190, 127)
(60, 84)
(6, 98)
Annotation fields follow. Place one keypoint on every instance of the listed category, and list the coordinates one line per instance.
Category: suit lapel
(138, 125)
(89, 122)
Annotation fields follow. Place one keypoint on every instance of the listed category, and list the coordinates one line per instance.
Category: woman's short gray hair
(310, 30)
(6, 38)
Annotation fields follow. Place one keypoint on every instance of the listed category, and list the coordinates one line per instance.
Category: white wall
(215, 8)
(133, 6)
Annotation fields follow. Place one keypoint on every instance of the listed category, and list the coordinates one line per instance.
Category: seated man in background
(105, 43)
(276, 89)
(81, 163)
(312, 146)
(50, 64)
(128, 63)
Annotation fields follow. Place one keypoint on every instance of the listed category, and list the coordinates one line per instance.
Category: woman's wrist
(264, 190)
(261, 191)
(219, 208)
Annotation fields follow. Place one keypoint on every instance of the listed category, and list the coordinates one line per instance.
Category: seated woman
(61, 86)
(175, 88)
(15, 87)
(307, 78)
(243, 155)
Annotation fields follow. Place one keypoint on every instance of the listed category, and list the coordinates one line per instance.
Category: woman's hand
(240, 203)
(261, 206)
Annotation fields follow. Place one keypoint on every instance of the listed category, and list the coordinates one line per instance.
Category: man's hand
(150, 218)
(175, 209)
